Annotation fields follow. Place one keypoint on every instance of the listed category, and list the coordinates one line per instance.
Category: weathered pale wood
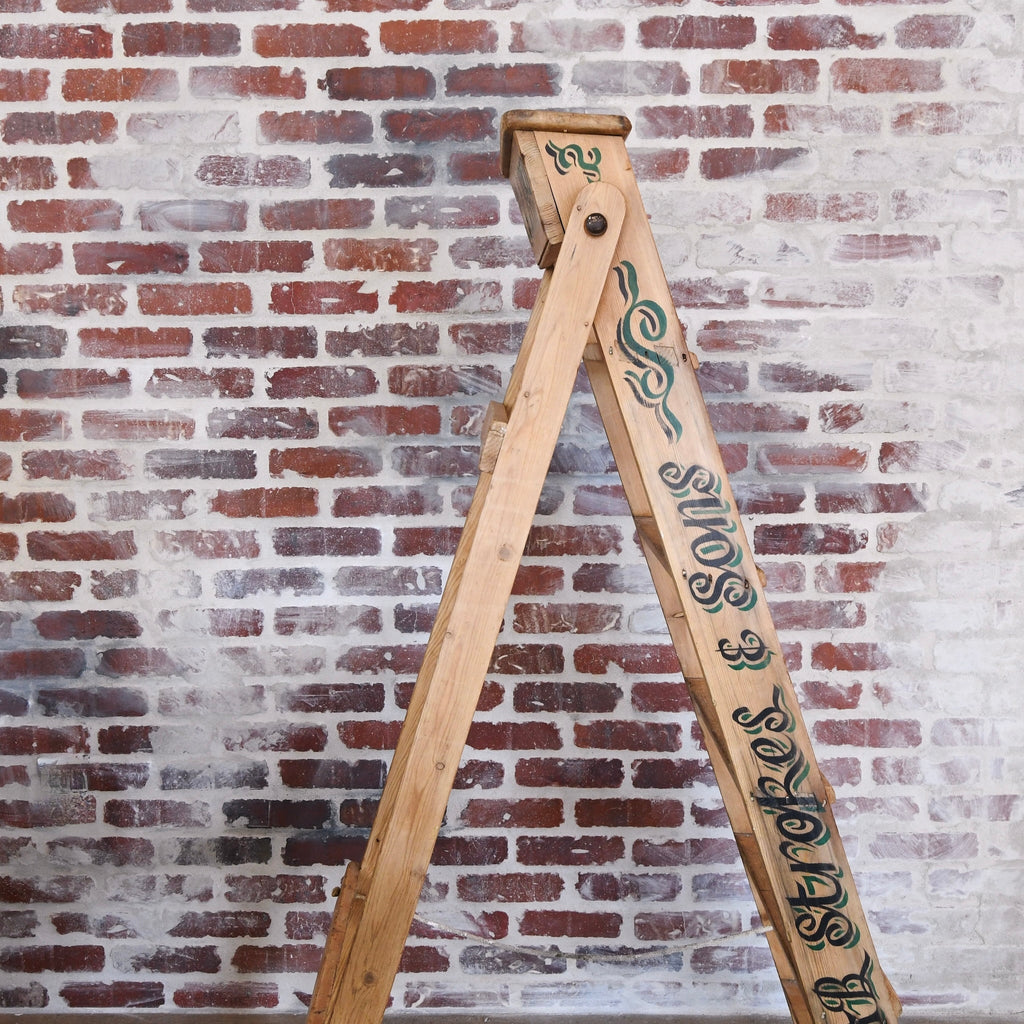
(513, 121)
(469, 618)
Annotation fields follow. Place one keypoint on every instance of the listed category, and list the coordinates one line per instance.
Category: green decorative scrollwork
(750, 652)
(653, 380)
(567, 157)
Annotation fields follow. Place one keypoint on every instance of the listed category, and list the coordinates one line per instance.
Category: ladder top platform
(557, 121)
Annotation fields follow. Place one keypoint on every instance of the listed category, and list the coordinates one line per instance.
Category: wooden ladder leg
(689, 524)
(675, 617)
(461, 644)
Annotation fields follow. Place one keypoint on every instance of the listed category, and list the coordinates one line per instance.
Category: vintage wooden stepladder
(604, 298)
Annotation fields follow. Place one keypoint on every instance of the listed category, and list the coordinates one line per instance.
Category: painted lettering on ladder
(698, 494)
(820, 893)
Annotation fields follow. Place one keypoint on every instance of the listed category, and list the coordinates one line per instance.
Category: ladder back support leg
(605, 298)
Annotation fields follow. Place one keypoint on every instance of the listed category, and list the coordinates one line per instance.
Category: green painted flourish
(566, 157)
(653, 381)
(749, 652)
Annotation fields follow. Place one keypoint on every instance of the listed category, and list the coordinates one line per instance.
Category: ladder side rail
(461, 644)
(695, 524)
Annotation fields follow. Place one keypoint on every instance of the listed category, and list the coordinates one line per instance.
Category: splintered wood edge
(557, 121)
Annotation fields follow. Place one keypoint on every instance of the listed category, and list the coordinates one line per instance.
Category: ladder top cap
(557, 121)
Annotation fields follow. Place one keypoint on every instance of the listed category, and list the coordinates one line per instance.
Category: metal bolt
(596, 224)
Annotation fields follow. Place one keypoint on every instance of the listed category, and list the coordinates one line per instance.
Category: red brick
(48, 128)
(155, 813)
(758, 77)
(38, 586)
(934, 31)
(263, 502)
(36, 507)
(167, 959)
(425, 35)
(317, 126)
(818, 32)
(808, 207)
(693, 32)
(253, 172)
(82, 545)
(631, 658)
(572, 924)
(569, 850)
(27, 173)
(868, 732)
(52, 889)
(192, 382)
(386, 255)
(510, 888)
(259, 342)
(326, 541)
(193, 300)
(97, 994)
(850, 657)
(321, 382)
(60, 812)
(504, 80)
(181, 39)
(137, 661)
(879, 74)
(86, 625)
(595, 773)
(439, 125)
(32, 425)
(56, 42)
(129, 258)
(29, 86)
(246, 82)
(208, 544)
(781, 119)
(324, 462)
(848, 577)
(57, 959)
(234, 995)
(29, 258)
(184, 464)
(255, 257)
(126, 739)
(872, 498)
(808, 538)
(120, 85)
(823, 458)
(385, 421)
(261, 422)
(317, 215)
(634, 812)
(360, 84)
(64, 215)
(716, 164)
(526, 813)
(137, 425)
(74, 465)
(321, 40)
(322, 297)
(58, 384)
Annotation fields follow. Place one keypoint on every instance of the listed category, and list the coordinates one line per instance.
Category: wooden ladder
(604, 298)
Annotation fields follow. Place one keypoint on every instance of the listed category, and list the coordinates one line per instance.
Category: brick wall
(259, 275)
